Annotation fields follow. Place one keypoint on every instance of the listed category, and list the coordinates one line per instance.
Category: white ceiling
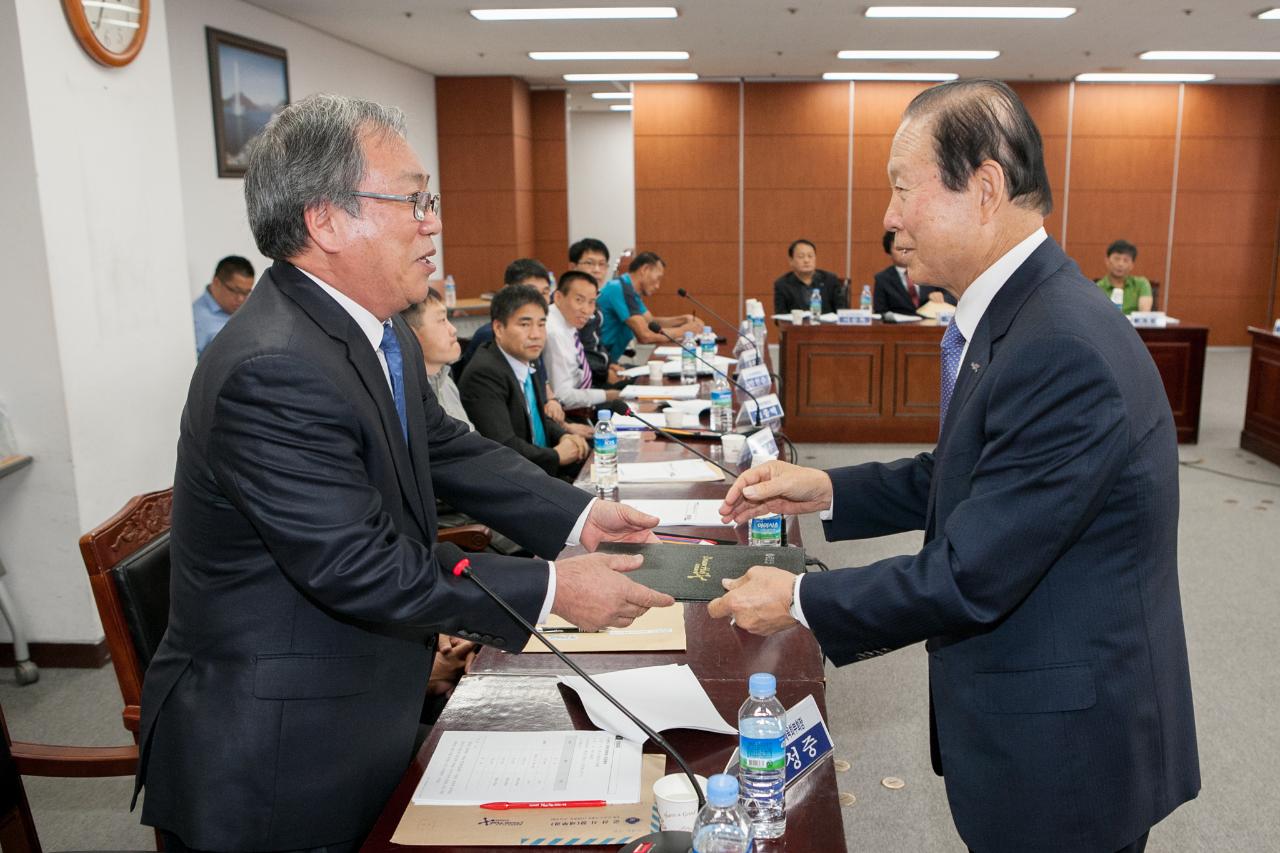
(795, 39)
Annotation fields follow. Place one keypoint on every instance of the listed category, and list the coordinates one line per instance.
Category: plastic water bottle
(762, 724)
(721, 826)
(605, 443)
(721, 404)
(1117, 297)
(865, 302)
(745, 349)
(707, 345)
(450, 292)
(815, 305)
(688, 363)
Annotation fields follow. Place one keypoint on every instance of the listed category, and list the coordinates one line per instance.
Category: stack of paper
(665, 697)
(681, 471)
(660, 392)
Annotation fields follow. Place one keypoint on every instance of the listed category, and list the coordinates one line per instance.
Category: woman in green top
(1137, 290)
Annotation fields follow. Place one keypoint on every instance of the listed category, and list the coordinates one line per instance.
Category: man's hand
(583, 431)
(593, 593)
(776, 487)
(615, 373)
(571, 448)
(554, 410)
(759, 601)
(611, 395)
(453, 658)
(611, 521)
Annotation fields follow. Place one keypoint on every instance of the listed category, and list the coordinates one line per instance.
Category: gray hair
(978, 120)
(309, 154)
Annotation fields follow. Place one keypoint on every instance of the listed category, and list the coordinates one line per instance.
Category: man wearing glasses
(231, 285)
(281, 707)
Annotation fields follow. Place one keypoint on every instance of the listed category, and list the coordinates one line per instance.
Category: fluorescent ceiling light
(575, 13)
(620, 108)
(611, 96)
(1269, 15)
(889, 75)
(918, 54)
(560, 55)
(1143, 78)
(1269, 55)
(642, 77)
(970, 11)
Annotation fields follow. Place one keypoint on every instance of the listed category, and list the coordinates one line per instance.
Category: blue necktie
(535, 419)
(395, 367)
(952, 347)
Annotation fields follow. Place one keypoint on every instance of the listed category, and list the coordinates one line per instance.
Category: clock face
(111, 31)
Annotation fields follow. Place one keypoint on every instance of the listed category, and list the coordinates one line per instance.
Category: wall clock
(110, 31)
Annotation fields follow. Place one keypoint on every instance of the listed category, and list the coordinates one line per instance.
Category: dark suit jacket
(479, 338)
(789, 292)
(1047, 587)
(496, 404)
(281, 708)
(890, 294)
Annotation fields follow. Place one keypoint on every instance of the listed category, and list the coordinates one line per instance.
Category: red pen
(553, 804)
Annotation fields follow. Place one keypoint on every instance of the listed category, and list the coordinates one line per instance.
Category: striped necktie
(584, 381)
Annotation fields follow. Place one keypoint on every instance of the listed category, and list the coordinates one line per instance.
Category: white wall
(602, 179)
(98, 342)
(216, 225)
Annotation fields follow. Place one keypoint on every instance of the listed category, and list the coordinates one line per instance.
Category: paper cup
(675, 418)
(677, 802)
(655, 371)
(797, 316)
(733, 442)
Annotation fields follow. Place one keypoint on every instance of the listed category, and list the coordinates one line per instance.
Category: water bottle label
(606, 445)
(767, 529)
(761, 754)
(721, 397)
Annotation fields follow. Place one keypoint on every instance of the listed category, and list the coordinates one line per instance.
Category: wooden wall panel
(549, 177)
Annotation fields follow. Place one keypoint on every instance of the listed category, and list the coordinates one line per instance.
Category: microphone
(451, 555)
(658, 330)
(619, 407)
(686, 295)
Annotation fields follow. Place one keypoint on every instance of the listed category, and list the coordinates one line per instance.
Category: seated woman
(1136, 290)
(793, 290)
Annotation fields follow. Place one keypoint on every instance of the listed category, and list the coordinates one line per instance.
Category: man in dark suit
(895, 289)
(280, 710)
(794, 289)
(1047, 587)
(502, 394)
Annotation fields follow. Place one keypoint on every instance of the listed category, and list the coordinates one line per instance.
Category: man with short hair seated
(591, 256)
(504, 398)
(1136, 289)
(564, 356)
(429, 320)
(626, 316)
(232, 282)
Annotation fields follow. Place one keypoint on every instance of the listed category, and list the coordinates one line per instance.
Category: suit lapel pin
(976, 367)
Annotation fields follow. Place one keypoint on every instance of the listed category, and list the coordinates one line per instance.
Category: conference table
(506, 691)
(1261, 433)
(879, 383)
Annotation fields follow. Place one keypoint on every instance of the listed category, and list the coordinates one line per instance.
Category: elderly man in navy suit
(1047, 587)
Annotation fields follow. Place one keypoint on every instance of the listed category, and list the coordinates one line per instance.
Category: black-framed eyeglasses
(422, 201)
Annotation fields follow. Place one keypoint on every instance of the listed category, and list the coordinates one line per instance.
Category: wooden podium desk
(879, 383)
(1261, 433)
(513, 692)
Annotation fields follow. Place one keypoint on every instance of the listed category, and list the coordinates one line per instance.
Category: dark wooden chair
(17, 759)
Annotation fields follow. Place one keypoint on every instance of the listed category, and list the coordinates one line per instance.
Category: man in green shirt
(1137, 290)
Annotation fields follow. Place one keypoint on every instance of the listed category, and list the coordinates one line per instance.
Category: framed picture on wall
(249, 83)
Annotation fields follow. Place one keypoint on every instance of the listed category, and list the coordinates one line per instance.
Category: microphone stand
(462, 568)
(621, 408)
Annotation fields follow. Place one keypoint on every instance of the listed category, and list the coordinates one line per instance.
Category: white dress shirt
(972, 306)
(371, 328)
(563, 367)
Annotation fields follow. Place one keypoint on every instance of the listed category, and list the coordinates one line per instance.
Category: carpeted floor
(879, 711)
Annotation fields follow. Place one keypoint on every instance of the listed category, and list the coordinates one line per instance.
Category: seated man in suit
(280, 709)
(1135, 289)
(591, 256)
(626, 317)
(894, 290)
(501, 393)
(565, 355)
(793, 290)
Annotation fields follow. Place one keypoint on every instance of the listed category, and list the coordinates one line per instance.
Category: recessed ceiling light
(889, 75)
(1269, 15)
(643, 77)
(970, 11)
(620, 108)
(918, 54)
(1099, 77)
(611, 96)
(1269, 55)
(563, 55)
(575, 13)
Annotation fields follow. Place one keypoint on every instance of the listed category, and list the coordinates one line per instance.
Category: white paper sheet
(659, 392)
(638, 370)
(695, 513)
(722, 363)
(681, 471)
(658, 419)
(471, 768)
(695, 407)
(666, 351)
(665, 697)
